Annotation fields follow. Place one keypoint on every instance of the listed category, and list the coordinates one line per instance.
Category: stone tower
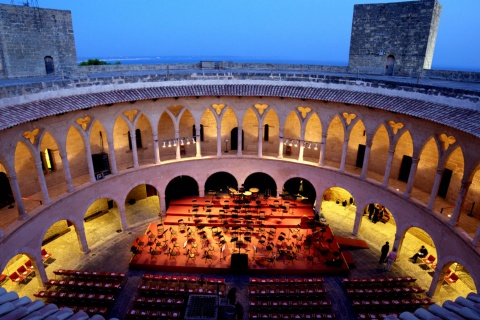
(394, 38)
(36, 42)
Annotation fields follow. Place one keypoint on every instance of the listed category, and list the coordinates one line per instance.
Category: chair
(191, 256)
(29, 265)
(271, 260)
(451, 278)
(181, 226)
(207, 257)
(24, 272)
(172, 254)
(281, 238)
(45, 255)
(15, 277)
(429, 261)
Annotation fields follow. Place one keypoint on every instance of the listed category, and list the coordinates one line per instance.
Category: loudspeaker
(239, 261)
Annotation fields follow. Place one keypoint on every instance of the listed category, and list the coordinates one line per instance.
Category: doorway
(390, 65)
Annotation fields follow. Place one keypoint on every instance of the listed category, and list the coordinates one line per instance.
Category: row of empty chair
(88, 285)
(13, 307)
(179, 289)
(302, 315)
(288, 298)
(369, 293)
(178, 278)
(368, 282)
(461, 309)
(450, 278)
(91, 275)
(143, 314)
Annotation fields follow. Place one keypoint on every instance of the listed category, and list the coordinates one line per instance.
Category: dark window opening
(138, 139)
(194, 132)
(266, 128)
(49, 67)
(48, 163)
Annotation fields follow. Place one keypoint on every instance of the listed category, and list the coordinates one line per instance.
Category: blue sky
(311, 31)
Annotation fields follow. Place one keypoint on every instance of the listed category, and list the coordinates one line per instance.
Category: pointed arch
(123, 155)
(144, 137)
(229, 122)
(427, 167)
(402, 159)
(186, 123)
(356, 147)
(250, 131)
(313, 135)
(209, 125)
(291, 134)
(270, 147)
(166, 132)
(334, 143)
(77, 155)
(378, 154)
(27, 174)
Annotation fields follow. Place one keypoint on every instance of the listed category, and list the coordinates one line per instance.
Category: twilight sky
(309, 31)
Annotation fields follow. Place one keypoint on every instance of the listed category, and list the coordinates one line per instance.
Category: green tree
(93, 62)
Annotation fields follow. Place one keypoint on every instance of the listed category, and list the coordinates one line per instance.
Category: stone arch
(337, 206)
(334, 142)
(220, 181)
(356, 147)
(473, 193)
(377, 161)
(313, 137)
(427, 167)
(76, 153)
(262, 182)
(271, 119)
(179, 187)
(27, 173)
(291, 135)
(299, 187)
(166, 134)
(123, 154)
(251, 130)
(141, 203)
(229, 130)
(145, 151)
(402, 158)
(103, 211)
(411, 238)
(59, 230)
(466, 283)
(209, 123)
(186, 123)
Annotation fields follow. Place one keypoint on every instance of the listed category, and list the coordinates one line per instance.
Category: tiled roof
(463, 119)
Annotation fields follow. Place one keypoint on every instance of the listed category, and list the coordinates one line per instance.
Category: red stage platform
(222, 235)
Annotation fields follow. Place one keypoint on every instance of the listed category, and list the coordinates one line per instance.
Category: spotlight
(285, 142)
(291, 143)
(182, 142)
(169, 143)
(309, 145)
(175, 142)
(296, 144)
(164, 144)
(193, 140)
(188, 140)
(316, 146)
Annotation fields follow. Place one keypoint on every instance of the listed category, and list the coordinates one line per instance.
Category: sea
(196, 59)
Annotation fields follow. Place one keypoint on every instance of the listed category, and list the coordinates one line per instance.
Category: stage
(228, 234)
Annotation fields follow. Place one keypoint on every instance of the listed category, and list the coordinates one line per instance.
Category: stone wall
(401, 34)
(29, 34)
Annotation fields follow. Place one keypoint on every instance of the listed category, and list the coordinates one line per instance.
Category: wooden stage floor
(198, 235)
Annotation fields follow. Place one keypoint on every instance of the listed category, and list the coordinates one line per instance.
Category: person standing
(383, 256)
(392, 256)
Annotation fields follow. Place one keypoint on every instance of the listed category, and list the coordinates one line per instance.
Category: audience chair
(451, 278)
(29, 265)
(45, 255)
(15, 277)
(429, 261)
(24, 272)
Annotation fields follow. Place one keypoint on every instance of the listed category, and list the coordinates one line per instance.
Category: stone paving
(109, 251)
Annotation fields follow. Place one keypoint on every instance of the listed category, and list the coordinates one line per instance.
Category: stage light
(291, 143)
(175, 142)
(164, 144)
(296, 144)
(316, 146)
(285, 142)
(169, 143)
(309, 145)
(182, 142)
(188, 140)
(193, 140)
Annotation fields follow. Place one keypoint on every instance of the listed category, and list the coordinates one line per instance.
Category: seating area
(292, 298)
(23, 273)
(13, 307)
(375, 298)
(92, 292)
(166, 296)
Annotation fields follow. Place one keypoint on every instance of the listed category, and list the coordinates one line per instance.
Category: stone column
(358, 221)
(318, 204)
(17, 196)
(436, 185)
(344, 154)
(156, 149)
(397, 243)
(91, 171)
(280, 144)
(163, 205)
(198, 142)
(437, 281)
(82, 238)
(476, 240)
(391, 152)
(111, 155)
(260, 141)
(122, 216)
(201, 192)
(41, 180)
(366, 157)
(459, 203)
(177, 147)
(301, 145)
(66, 168)
(40, 272)
(323, 146)
(411, 177)
(219, 140)
(133, 140)
(239, 141)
